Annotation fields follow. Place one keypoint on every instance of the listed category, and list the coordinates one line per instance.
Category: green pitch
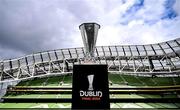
(115, 80)
(68, 105)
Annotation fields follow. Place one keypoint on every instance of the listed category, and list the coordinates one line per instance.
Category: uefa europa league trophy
(89, 32)
(90, 80)
(90, 89)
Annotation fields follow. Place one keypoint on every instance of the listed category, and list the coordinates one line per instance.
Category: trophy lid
(90, 23)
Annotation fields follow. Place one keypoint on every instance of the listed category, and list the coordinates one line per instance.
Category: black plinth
(90, 87)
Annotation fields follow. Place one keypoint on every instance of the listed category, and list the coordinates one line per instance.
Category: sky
(30, 26)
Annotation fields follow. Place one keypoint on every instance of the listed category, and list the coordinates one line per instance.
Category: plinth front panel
(90, 87)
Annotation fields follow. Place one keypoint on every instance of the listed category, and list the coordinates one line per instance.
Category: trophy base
(89, 61)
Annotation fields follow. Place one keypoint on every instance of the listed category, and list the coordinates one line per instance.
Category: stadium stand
(140, 76)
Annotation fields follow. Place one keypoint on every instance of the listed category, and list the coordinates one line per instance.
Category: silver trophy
(90, 80)
(89, 32)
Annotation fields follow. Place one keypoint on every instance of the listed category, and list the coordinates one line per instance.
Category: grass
(111, 96)
(47, 81)
(68, 105)
(16, 105)
(39, 96)
(125, 96)
(116, 79)
(24, 96)
(177, 80)
(37, 82)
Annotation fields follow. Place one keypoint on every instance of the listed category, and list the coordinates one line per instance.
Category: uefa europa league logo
(90, 80)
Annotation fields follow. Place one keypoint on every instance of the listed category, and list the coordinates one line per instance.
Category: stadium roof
(157, 59)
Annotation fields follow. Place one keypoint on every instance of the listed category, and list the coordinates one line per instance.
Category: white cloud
(42, 25)
(151, 10)
(177, 7)
(138, 31)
